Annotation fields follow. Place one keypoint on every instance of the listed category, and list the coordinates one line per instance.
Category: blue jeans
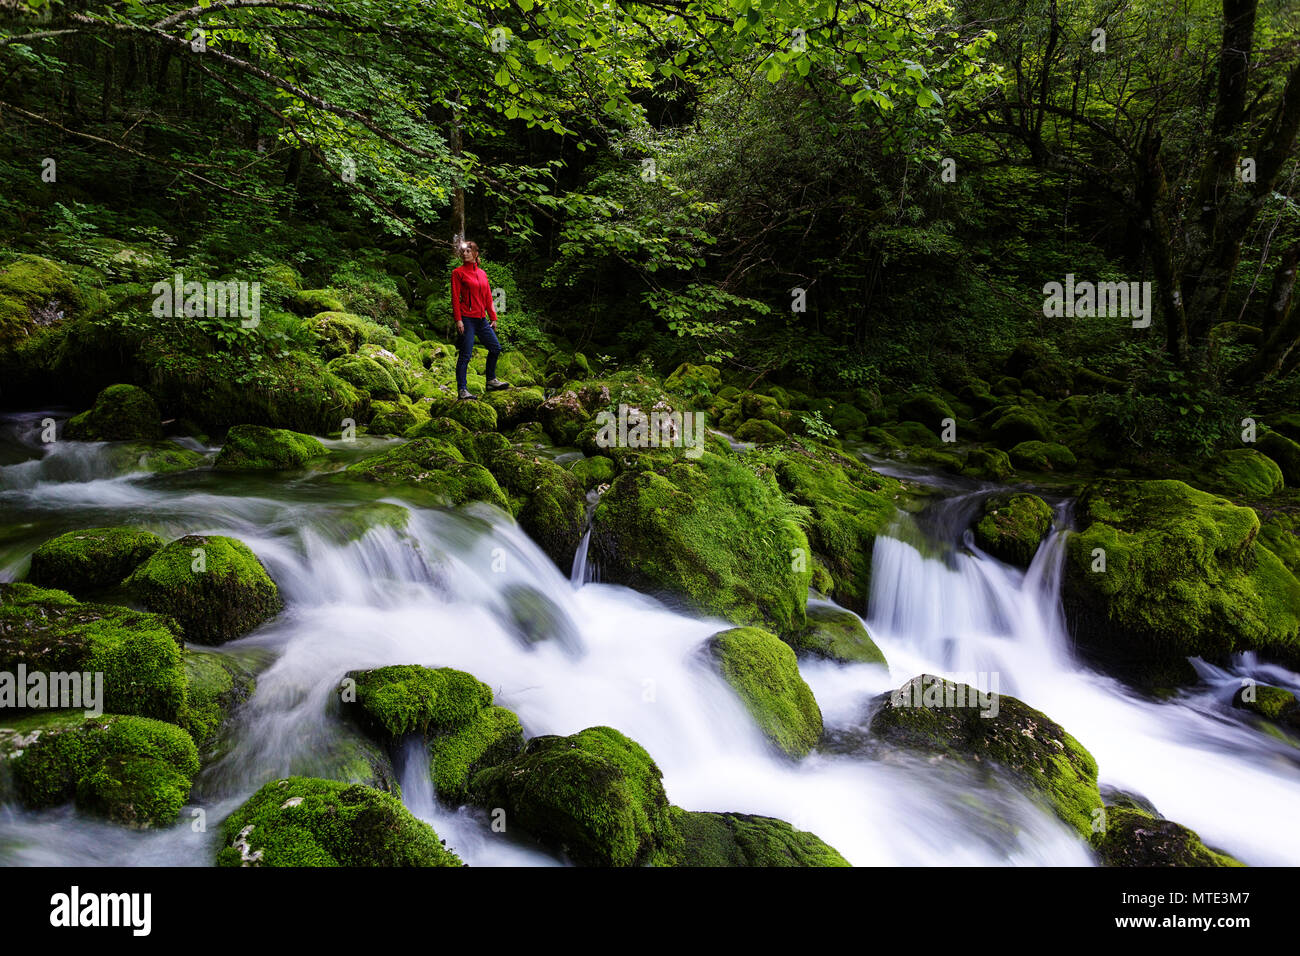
(483, 329)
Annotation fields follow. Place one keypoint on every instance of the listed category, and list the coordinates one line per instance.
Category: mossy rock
(341, 333)
(1134, 838)
(595, 795)
(366, 374)
(1183, 576)
(1284, 452)
(132, 770)
(489, 738)
(391, 702)
(316, 301)
(437, 469)
(120, 413)
(156, 457)
(593, 471)
(740, 839)
(693, 380)
(258, 448)
(1018, 424)
(563, 416)
(1242, 472)
(81, 561)
(927, 408)
(474, 415)
(915, 434)
(759, 431)
(396, 418)
(139, 654)
(1279, 531)
(689, 531)
(1273, 704)
(214, 586)
(514, 405)
(1044, 760)
(992, 464)
(850, 505)
(302, 821)
(215, 684)
(37, 293)
(1042, 456)
(1012, 527)
(548, 502)
(838, 635)
(765, 674)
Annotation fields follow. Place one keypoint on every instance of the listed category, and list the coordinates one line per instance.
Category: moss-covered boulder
(990, 464)
(849, 505)
(759, 431)
(1274, 704)
(740, 839)
(595, 795)
(1160, 571)
(489, 738)
(548, 502)
(1011, 426)
(82, 561)
(765, 674)
(215, 684)
(139, 654)
(475, 415)
(390, 702)
(564, 416)
(944, 720)
(1284, 452)
(434, 467)
(213, 585)
(1134, 838)
(838, 635)
(593, 471)
(688, 529)
(514, 405)
(120, 413)
(396, 418)
(1241, 472)
(133, 770)
(257, 448)
(302, 821)
(366, 374)
(1042, 456)
(1011, 527)
(156, 457)
(927, 408)
(691, 381)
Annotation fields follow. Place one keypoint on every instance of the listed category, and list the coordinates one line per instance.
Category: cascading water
(467, 589)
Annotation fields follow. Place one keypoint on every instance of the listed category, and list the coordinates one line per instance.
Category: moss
(490, 737)
(341, 333)
(157, 457)
(139, 654)
(440, 426)
(82, 561)
(1241, 472)
(1284, 452)
(301, 821)
(593, 471)
(1134, 838)
(849, 503)
(214, 685)
(35, 293)
(837, 635)
(213, 585)
(257, 448)
(739, 839)
(564, 416)
(434, 467)
(1030, 747)
(474, 415)
(316, 301)
(595, 795)
(120, 413)
(759, 431)
(691, 380)
(366, 374)
(1280, 533)
(1012, 527)
(1271, 703)
(549, 502)
(1042, 456)
(406, 698)
(132, 770)
(714, 531)
(927, 408)
(765, 674)
(514, 405)
(988, 463)
(1017, 424)
(1184, 576)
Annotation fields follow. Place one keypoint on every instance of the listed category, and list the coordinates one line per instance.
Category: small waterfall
(580, 574)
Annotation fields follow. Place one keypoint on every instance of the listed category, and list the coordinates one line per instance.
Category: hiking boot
(496, 385)
(465, 393)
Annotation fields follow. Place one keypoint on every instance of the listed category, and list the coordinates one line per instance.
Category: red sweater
(471, 293)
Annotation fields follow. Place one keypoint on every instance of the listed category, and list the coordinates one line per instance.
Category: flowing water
(467, 589)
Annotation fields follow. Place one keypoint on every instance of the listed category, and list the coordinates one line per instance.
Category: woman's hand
(460, 327)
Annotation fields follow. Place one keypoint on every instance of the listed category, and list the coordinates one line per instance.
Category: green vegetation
(81, 561)
(257, 448)
(1012, 527)
(764, 673)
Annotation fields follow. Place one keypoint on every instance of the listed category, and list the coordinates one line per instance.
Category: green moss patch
(1013, 526)
(434, 467)
(120, 413)
(491, 737)
(406, 698)
(81, 561)
(257, 448)
(837, 635)
(739, 839)
(1134, 838)
(765, 674)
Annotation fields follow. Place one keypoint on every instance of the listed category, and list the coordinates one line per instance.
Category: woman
(476, 315)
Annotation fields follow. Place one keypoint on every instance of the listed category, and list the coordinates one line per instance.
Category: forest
(880, 442)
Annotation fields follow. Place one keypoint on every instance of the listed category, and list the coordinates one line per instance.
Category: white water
(449, 589)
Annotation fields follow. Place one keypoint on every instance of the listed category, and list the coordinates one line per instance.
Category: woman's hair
(471, 246)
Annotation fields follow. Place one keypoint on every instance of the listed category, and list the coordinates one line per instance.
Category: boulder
(120, 413)
(1012, 527)
(258, 448)
(764, 673)
(740, 839)
(838, 635)
(81, 561)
